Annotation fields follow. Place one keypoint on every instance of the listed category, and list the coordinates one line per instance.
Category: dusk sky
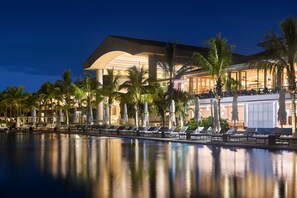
(41, 39)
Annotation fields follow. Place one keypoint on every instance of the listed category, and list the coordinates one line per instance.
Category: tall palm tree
(181, 99)
(283, 51)
(64, 87)
(160, 100)
(217, 62)
(85, 93)
(110, 89)
(169, 64)
(4, 104)
(136, 86)
(79, 97)
(41, 101)
(50, 91)
(16, 96)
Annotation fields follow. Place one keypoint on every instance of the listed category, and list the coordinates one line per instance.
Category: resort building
(257, 88)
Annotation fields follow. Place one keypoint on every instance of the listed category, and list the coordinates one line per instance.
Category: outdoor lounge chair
(142, 129)
(246, 135)
(111, 129)
(222, 136)
(181, 132)
(289, 139)
(199, 133)
(272, 137)
(161, 130)
(170, 131)
(128, 129)
(151, 130)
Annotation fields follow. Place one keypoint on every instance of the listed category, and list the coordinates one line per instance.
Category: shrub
(205, 122)
(224, 125)
(192, 124)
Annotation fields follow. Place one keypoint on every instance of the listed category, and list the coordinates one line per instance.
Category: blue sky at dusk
(41, 39)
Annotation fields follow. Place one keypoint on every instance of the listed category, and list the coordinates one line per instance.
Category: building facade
(257, 88)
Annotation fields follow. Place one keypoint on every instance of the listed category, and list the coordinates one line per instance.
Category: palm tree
(169, 64)
(16, 97)
(283, 51)
(64, 87)
(49, 90)
(41, 101)
(160, 100)
(217, 62)
(181, 99)
(4, 104)
(136, 86)
(85, 93)
(110, 89)
(79, 97)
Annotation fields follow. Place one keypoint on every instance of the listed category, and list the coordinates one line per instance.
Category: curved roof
(135, 46)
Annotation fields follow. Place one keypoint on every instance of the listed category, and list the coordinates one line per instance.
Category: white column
(99, 78)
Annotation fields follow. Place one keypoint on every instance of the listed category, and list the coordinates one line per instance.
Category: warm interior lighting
(125, 61)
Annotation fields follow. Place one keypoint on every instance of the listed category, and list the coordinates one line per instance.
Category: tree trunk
(293, 112)
(279, 79)
(292, 88)
(109, 119)
(67, 116)
(219, 107)
(136, 116)
(219, 93)
(163, 120)
(52, 109)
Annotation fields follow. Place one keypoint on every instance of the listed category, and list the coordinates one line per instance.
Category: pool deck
(209, 142)
(232, 144)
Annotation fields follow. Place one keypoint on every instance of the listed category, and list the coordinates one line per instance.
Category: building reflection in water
(113, 167)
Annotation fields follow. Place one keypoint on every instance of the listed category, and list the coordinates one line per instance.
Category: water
(51, 165)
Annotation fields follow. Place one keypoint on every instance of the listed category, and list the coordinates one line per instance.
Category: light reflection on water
(114, 167)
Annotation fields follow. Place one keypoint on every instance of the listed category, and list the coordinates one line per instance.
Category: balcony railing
(259, 91)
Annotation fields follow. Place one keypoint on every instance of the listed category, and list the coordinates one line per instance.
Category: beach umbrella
(125, 113)
(91, 116)
(235, 110)
(211, 112)
(74, 115)
(60, 115)
(197, 109)
(282, 113)
(136, 116)
(216, 119)
(34, 116)
(172, 112)
(145, 115)
(106, 114)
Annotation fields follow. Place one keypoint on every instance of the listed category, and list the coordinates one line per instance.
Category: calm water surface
(51, 165)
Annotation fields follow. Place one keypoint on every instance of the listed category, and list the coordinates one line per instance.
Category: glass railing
(259, 91)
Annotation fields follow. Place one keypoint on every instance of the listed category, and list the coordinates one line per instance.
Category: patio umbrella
(34, 116)
(145, 115)
(106, 114)
(197, 109)
(91, 115)
(74, 115)
(136, 116)
(282, 113)
(172, 112)
(125, 113)
(216, 119)
(211, 112)
(235, 110)
(60, 116)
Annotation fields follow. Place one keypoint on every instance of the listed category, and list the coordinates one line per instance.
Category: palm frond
(203, 62)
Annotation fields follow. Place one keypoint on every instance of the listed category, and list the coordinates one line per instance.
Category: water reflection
(113, 167)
